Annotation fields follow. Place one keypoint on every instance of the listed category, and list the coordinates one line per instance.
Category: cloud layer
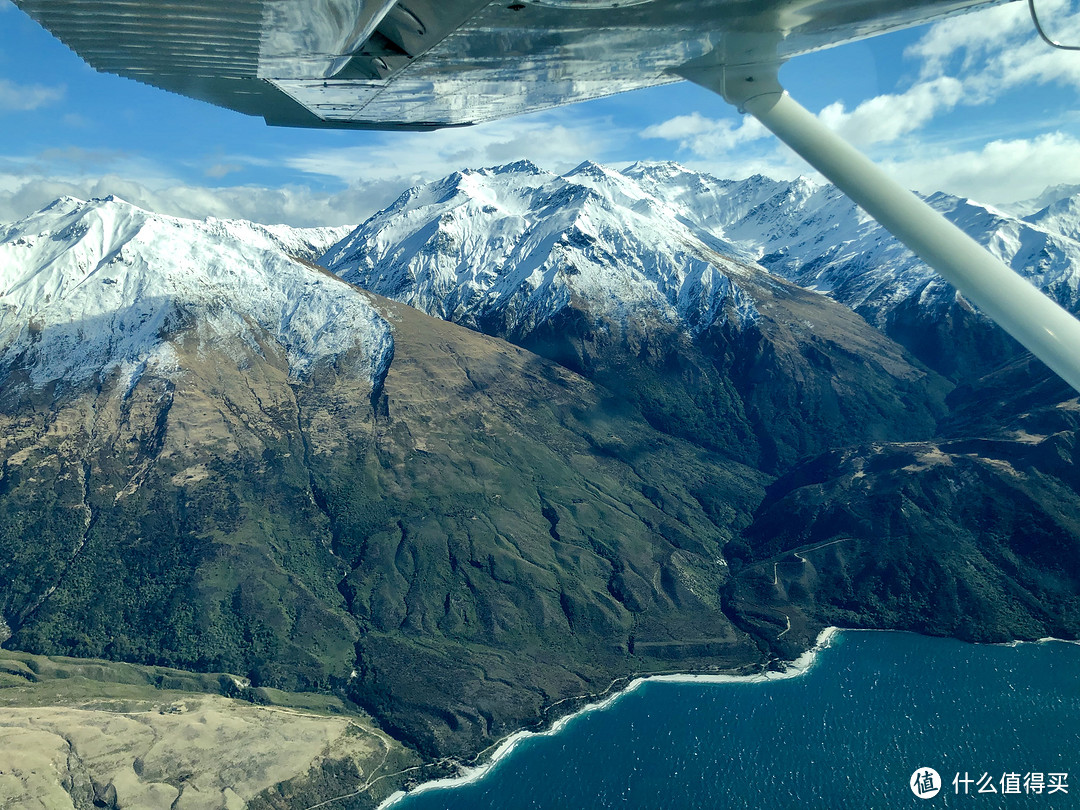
(939, 129)
(20, 97)
(294, 205)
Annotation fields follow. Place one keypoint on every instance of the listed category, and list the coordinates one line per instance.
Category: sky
(975, 105)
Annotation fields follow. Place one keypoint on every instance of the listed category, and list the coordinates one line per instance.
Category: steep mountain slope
(151, 438)
(974, 538)
(594, 271)
(514, 245)
(219, 459)
(971, 535)
(516, 535)
(90, 289)
(601, 271)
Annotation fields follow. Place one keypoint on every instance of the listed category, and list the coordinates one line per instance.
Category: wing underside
(420, 64)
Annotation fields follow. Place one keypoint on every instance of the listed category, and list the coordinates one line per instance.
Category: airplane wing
(423, 64)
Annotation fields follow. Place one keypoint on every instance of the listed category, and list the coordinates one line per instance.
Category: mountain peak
(523, 166)
(589, 168)
(111, 198)
(1050, 196)
(656, 169)
(532, 246)
(98, 288)
(97, 204)
(635, 238)
(64, 201)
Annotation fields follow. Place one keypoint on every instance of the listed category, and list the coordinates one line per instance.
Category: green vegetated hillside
(488, 532)
(513, 537)
(900, 499)
(973, 534)
(494, 535)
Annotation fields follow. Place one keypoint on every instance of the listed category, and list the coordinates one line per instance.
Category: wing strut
(1020, 308)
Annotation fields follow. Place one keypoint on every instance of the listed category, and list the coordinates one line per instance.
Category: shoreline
(792, 669)
(469, 774)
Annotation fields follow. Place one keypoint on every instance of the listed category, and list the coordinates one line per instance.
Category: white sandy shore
(793, 670)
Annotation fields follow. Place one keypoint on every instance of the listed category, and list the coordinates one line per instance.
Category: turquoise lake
(850, 732)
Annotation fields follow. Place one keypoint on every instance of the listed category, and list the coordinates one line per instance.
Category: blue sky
(975, 106)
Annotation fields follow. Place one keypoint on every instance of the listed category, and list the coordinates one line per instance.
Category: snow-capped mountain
(88, 288)
(1061, 216)
(518, 244)
(302, 243)
(645, 281)
(813, 235)
(1051, 195)
(507, 248)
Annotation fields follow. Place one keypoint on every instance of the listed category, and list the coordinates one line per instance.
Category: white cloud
(969, 36)
(999, 49)
(965, 61)
(219, 170)
(409, 158)
(372, 176)
(707, 136)
(889, 117)
(970, 60)
(23, 97)
(733, 148)
(22, 194)
(76, 121)
(1002, 171)
(76, 162)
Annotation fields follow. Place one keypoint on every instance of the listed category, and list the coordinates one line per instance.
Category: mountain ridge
(452, 543)
(670, 240)
(104, 261)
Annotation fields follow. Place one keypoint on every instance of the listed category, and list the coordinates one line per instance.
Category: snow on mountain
(1050, 195)
(1061, 217)
(520, 244)
(303, 243)
(87, 288)
(811, 234)
(701, 199)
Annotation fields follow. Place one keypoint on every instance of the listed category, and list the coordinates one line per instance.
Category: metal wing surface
(422, 64)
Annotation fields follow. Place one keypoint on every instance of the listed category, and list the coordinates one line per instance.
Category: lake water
(850, 732)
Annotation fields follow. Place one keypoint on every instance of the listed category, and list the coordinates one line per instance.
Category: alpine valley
(297, 515)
